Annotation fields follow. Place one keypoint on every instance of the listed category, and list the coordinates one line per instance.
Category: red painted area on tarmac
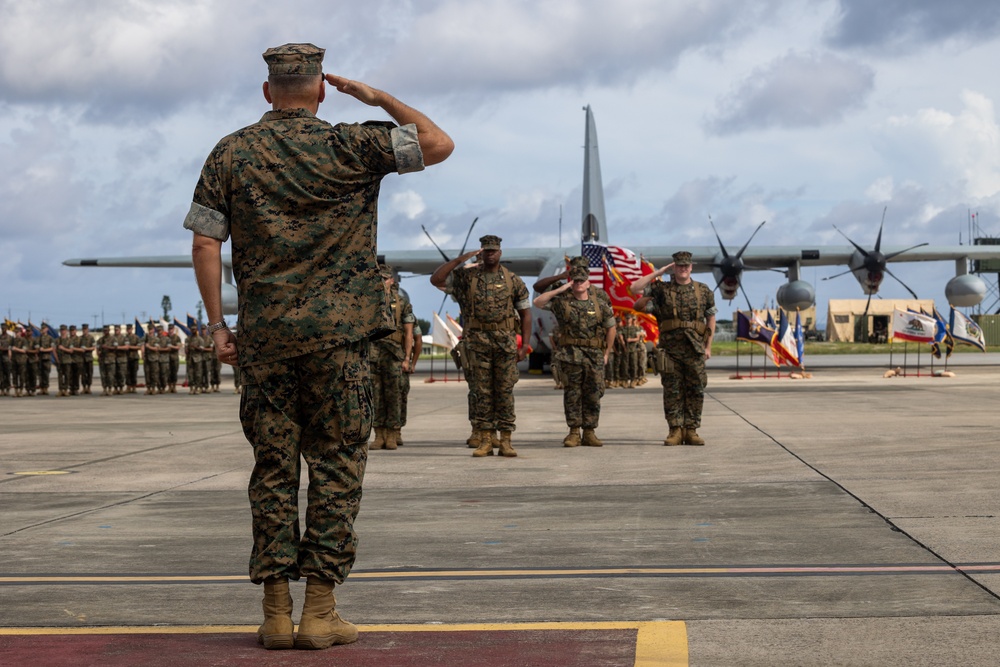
(475, 648)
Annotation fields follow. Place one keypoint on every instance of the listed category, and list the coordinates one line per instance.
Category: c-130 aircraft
(869, 266)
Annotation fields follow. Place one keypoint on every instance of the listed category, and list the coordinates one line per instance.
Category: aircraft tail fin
(594, 228)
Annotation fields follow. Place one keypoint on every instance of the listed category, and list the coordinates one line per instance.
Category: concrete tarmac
(845, 519)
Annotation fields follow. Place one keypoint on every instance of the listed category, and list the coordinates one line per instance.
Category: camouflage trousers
(406, 398)
(70, 377)
(19, 373)
(86, 371)
(121, 372)
(624, 365)
(5, 372)
(107, 375)
(635, 357)
(684, 382)
(583, 388)
(132, 372)
(387, 389)
(151, 372)
(491, 363)
(611, 368)
(164, 373)
(173, 364)
(193, 372)
(42, 371)
(316, 407)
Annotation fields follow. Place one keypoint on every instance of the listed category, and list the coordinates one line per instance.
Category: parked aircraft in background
(869, 267)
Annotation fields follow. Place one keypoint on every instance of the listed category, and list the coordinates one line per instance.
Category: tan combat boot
(390, 438)
(379, 441)
(572, 439)
(173, 389)
(321, 626)
(473, 440)
(505, 446)
(399, 437)
(276, 631)
(485, 444)
(590, 438)
(691, 437)
(675, 437)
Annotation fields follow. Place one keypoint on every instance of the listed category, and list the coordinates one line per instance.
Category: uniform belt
(670, 325)
(503, 325)
(581, 342)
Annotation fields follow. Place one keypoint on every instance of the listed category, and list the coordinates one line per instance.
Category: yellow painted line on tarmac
(657, 644)
(42, 472)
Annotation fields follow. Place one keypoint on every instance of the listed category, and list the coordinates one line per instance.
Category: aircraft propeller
(446, 258)
(731, 267)
(874, 264)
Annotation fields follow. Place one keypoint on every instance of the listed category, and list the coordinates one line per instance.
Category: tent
(844, 317)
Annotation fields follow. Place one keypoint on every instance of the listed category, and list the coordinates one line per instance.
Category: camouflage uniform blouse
(580, 320)
(484, 298)
(402, 313)
(299, 198)
(688, 304)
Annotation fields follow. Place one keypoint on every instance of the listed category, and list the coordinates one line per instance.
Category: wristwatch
(221, 324)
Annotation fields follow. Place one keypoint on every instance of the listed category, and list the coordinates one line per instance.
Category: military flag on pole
(966, 331)
(441, 333)
(913, 327)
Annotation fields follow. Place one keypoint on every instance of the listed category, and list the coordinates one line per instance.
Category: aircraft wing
(155, 262)
(764, 257)
(523, 261)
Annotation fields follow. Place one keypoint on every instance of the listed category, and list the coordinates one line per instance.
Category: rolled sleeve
(207, 222)
(406, 148)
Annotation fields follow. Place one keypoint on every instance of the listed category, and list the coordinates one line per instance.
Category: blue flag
(182, 327)
(800, 337)
(139, 331)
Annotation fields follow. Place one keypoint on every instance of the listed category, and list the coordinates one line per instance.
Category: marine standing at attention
(298, 197)
(587, 334)
(390, 363)
(88, 345)
(5, 340)
(685, 312)
(495, 307)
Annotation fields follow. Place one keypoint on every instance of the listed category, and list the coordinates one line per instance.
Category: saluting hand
(359, 91)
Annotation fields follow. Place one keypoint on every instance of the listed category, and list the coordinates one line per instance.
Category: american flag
(621, 259)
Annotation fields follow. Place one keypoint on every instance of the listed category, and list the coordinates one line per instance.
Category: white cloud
(499, 45)
(967, 143)
(795, 90)
(407, 203)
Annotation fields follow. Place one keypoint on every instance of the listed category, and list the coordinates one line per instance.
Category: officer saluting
(685, 311)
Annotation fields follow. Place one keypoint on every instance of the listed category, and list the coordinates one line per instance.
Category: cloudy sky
(804, 113)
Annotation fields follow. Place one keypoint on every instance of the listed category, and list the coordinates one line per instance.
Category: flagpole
(738, 376)
(906, 350)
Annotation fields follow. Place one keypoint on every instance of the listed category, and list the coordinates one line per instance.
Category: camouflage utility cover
(299, 198)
